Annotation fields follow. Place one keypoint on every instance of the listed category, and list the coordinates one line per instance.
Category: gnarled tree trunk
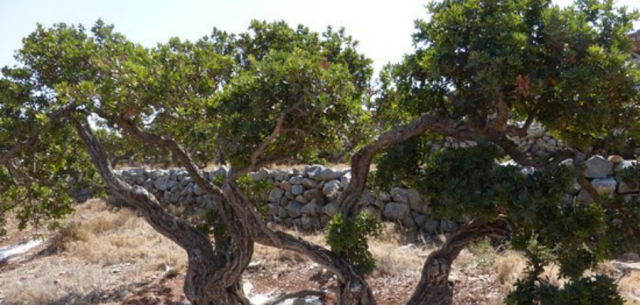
(434, 288)
(213, 277)
(353, 289)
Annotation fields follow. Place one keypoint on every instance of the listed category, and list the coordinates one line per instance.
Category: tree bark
(352, 288)
(434, 287)
(213, 277)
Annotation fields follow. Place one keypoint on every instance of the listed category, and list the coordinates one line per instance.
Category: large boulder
(319, 172)
(396, 211)
(598, 167)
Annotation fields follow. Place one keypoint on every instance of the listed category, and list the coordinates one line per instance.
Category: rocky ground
(107, 256)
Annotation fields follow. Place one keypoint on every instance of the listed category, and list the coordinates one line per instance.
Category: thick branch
(166, 142)
(19, 173)
(127, 155)
(500, 122)
(17, 149)
(20, 147)
(266, 142)
(361, 160)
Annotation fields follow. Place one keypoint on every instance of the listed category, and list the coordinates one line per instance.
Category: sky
(382, 27)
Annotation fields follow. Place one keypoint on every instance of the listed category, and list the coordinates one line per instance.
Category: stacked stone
(603, 175)
(173, 186)
(306, 198)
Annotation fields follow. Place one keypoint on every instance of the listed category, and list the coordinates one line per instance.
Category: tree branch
(17, 149)
(270, 139)
(20, 174)
(361, 160)
(502, 109)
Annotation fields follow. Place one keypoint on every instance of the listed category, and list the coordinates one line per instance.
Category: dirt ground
(107, 256)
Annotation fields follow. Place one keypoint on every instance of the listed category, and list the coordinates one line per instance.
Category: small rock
(311, 194)
(294, 209)
(309, 183)
(448, 226)
(296, 179)
(275, 195)
(331, 189)
(285, 185)
(297, 189)
(615, 159)
(330, 209)
(605, 186)
(312, 208)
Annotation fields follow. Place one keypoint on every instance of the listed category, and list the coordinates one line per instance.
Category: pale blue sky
(382, 27)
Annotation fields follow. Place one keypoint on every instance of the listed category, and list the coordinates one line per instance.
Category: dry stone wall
(306, 198)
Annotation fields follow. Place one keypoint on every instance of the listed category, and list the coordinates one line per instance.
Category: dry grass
(393, 255)
(99, 251)
(510, 267)
(105, 237)
(629, 287)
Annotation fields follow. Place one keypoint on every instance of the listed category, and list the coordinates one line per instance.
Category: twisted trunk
(434, 287)
(213, 277)
(353, 289)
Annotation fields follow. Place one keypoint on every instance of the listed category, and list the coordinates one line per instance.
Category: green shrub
(348, 238)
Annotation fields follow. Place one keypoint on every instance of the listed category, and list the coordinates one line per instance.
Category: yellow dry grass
(629, 287)
(106, 237)
(510, 267)
(98, 250)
